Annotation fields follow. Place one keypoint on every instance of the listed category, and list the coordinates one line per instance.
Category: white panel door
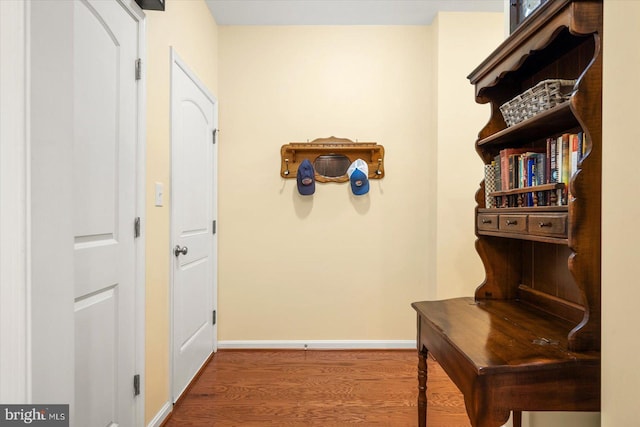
(193, 208)
(104, 184)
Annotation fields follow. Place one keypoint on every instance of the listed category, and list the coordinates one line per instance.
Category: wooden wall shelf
(294, 153)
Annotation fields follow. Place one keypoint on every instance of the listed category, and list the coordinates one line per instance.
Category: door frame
(17, 328)
(141, 186)
(176, 61)
(15, 204)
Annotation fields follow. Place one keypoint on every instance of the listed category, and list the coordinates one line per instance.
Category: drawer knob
(486, 221)
(544, 224)
(512, 222)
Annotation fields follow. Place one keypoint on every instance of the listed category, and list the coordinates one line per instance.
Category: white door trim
(140, 278)
(140, 265)
(175, 59)
(15, 205)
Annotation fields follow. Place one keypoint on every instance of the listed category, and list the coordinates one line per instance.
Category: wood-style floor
(316, 388)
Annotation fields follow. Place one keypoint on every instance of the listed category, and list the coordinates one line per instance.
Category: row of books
(515, 168)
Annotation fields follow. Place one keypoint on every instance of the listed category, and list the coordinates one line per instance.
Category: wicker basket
(543, 96)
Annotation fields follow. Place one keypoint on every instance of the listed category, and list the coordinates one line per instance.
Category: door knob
(180, 250)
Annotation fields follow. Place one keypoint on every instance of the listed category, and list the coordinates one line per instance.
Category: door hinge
(136, 384)
(138, 69)
(215, 135)
(136, 227)
(213, 227)
(213, 320)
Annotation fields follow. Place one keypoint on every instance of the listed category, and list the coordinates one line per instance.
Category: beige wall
(190, 29)
(464, 40)
(331, 266)
(620, 212)
(334, 266)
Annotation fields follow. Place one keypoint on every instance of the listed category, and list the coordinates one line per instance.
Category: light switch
(159, 193)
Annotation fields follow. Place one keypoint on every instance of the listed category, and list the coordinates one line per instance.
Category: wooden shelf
(524, 190)
(292, 154)
(525, 236)
(549, 189)
(563, 208)
(555, 120)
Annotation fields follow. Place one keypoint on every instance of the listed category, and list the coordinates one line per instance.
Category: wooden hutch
(529, 340)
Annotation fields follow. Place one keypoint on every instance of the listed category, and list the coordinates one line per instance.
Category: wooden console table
(504, 357)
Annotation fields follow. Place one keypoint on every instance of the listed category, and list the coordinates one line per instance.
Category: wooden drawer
(513, 223)
(487, 222)
(548, 225)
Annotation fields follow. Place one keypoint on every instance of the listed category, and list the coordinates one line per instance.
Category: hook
(286, 171)
(378, 171)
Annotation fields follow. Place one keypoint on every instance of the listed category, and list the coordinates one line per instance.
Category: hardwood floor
(316, 388)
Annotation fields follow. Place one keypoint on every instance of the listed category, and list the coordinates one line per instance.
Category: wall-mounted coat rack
(331, 157)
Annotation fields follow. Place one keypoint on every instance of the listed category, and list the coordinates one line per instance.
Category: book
(547, 169)
(512, 170)
(573, 142)
(553, 160)
(541, 168)
(530, 172)
(489, 184)
(566, 166)
(581, 146)
(559, 157)
(498, 179)
(505, 155)
(522, 171)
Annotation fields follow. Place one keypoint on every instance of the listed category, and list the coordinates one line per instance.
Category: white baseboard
(318, 344)
(162, 415)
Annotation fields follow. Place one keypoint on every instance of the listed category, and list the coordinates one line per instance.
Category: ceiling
(341, 12)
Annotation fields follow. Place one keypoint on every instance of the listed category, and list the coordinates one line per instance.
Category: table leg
(517, 418)
(422, 387)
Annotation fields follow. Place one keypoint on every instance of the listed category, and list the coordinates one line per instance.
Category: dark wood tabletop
(505, 357)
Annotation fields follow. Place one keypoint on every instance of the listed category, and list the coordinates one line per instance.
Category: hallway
(321, 388)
